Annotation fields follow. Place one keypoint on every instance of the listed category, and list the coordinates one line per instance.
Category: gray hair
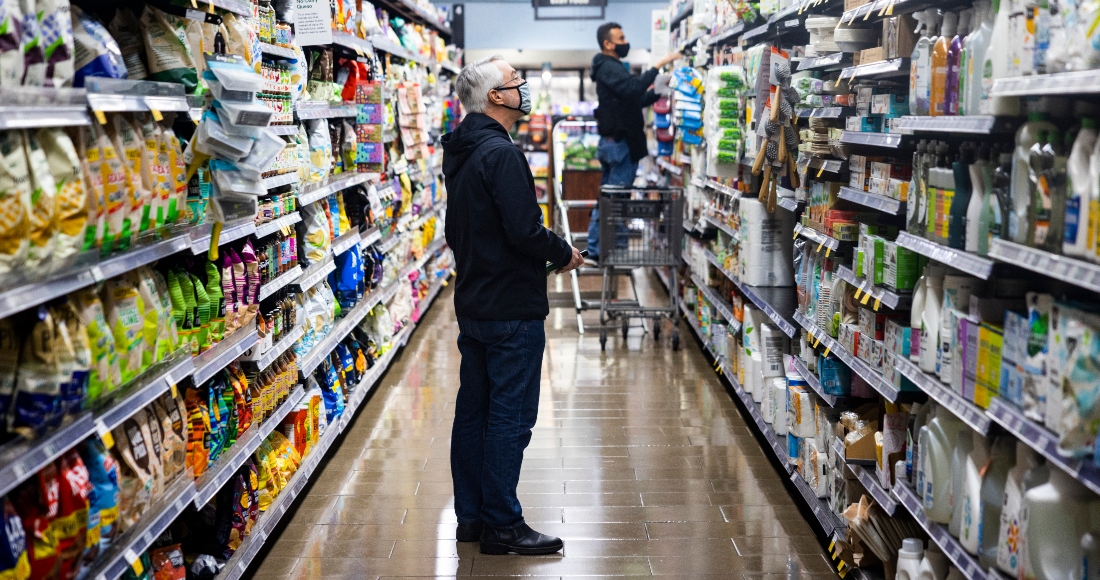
(475, 81)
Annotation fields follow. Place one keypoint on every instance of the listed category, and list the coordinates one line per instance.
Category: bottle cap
(912, 547)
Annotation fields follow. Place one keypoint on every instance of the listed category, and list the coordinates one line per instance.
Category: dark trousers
(497, 405)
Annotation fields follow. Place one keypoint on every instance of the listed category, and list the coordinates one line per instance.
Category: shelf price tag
(135, 562)
(104, 434)
(878, 302)
(100, 116)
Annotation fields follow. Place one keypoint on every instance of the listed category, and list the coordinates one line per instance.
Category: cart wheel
(675, 339)
(603, 339)
(626, 327)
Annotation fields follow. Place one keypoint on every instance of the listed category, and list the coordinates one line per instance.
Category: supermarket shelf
(126, 548)
(1077, 272)
(882, 68)
(720, 188)
(821, 165)
(726, 229)
(232, 231)
(729, 33)
(313, 192)
(316, 272)
(281, 180)
(824, 112)
(958, 259)
(825, 517)
(1069, 83)
(234, 6)
(280, 282)
(970, 124)
(386, 45)
(284, 129)
(231, 459)
(829, 61)
(68, 279)
(266, 229)
(881, 295)
(888, 140)
(764, 298)
(813, 381)
(684, 12)
(723, 307)
(371, 236)
(430, 251)
(950, 546)
(34, 107)
(867, 477)
(279, 348)
(345, 242)
(22, 458)
(1043, 441)
(228, 350)
(324, 110)
(858, 366)
(411, 11)
(109, 95)
(426, 302)
(789, 203)
(754, 33)
(872, 200)
(670, 167)
(354, 43)
(968, 412)
(389, 241)
(817, 237)
(281, 51)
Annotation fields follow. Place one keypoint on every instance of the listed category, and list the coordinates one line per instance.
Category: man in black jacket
(502, 253)
(619, 117)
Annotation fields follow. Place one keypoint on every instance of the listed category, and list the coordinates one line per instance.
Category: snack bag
(15, 202)
(136, 476)
(34, 56)
(57, 41)
(160, 168)
(14, 564)
(75, 215)
(72, 522)
(217, 302)
(11, 44)
(103, 499)
(37, 400)
(202, 311)
(320, 149)
(167, 563)
(177, 172)
(130, 145)
(96, 54)
(198, 432)
(105, 373)
(43, 212)
(76, 391)
(70, 394)
(125, 29)
(167, 50)
(173, 431)
(37, 503)
(126, 318)
(150, 421)
(9, 363)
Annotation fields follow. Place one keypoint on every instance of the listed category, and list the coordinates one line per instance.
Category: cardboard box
(847, 336)
(896, 338)
(890, 104)
(877, 351)
(857, 163)
(901, 268)
(899, 189)
(864, 124)
(1013, 355)
(879, 186)
(857, 181)
(863, 346)
(968, 356)
(870, 55)
(853, 4)
(899, 36)
(872, 324)
(990, 342)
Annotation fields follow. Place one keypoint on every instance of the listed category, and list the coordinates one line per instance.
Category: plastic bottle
(1058, 513)
(941, 189)
(1039, 162)
(938, 90)
(914, 206)
(1093, 233)
(919, 415)
(956, 297)
(964, 446)
(992, 499)
(954, 69)
(930, 320)
(928, 162)
(996, 63)
(934, 566)
(1022, 35)
(1053, 196)
(1001, 198)
(1090, 558)
(1043, 23)
(915, 315)
(975, 48)
(1026, 136)
(937, 443)
(977, 213)
(960, 205)
(1075, 241)
(977, 462)
(909, 559)
(1028, 470)
(919, 74)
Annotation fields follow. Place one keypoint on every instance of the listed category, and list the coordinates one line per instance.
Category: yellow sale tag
(890, 8)
(445, 283)
(135, 561)
(866, 298)
(840, 566)
(108, 440)
(826, 351)
(101, 117)
(796, 232)
(819, 246)
(842, 574)
(156, 115)
(832, 544)
(809, 336)
(882, 10)
(210, 6)
(877, 304)
(868, 15)
(194, 4)
(817, 341)
(828, 251)
(820, 170)
(859, 292)
(175, 391)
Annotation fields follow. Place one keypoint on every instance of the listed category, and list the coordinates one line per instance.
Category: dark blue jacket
(622, 97)
(494, 225)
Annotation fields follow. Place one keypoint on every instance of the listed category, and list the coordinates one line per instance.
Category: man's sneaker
(591, 263)
(469, 532)
(518, 540)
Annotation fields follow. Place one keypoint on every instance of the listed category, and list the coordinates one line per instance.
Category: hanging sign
(313, 22)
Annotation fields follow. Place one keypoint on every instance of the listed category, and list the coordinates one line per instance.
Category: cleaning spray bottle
(977, 224)
(914, 205)
(919, 63)
(930, 318)
(1026, 137)
(960, 204)
(941, 192)
(1055, 155)
(996, 64)
(938, 91)
(1075, 242)
(954, 68)
(1001, 202)
(974, 57)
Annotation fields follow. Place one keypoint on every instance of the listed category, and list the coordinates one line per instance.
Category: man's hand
(575, 262)
(669, 58)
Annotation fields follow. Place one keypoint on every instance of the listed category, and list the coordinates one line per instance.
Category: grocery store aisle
(640, 462)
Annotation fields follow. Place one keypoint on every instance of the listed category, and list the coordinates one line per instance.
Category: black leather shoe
(469, 532)
(518, 540)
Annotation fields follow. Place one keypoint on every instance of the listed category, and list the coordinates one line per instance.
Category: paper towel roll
(793, 448)
(800, 416)
(779, 422)
(766, 245)
(767, 403)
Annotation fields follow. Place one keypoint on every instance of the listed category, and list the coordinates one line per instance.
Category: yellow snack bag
(74, 216)
(15, 202)
(43, 207)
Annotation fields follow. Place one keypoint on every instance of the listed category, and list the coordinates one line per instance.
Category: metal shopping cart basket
(639, 227)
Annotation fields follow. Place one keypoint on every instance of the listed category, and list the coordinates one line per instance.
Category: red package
(168, 563)
(72, 521)
(36, 502)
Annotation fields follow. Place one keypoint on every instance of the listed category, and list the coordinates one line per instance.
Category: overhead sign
(569, 9)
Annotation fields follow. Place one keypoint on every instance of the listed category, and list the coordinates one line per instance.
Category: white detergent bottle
(976, 46)
(915, 314)
(919, 63)
(996, 64)
(1008, 548)
(934, 566)
(1058, 513)
(964, 446)
(930, 319)
(979, 199)
(956, 296)
(1090, 558)
(936, 453)
(1001, 462)
(909, 559)
(1034, 477)
(1020, 189)
(977, 462)
(1075, 241)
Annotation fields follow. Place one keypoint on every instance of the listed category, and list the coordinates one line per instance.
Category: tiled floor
(639, 461)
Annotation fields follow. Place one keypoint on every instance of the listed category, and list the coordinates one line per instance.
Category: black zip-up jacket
(622, 97)
(494, 225)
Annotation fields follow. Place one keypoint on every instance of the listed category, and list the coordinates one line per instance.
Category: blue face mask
(524, 97)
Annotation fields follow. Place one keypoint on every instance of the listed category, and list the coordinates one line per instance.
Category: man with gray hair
(502, 256)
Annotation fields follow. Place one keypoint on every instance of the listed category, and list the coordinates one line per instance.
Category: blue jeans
(618, 169)
(497, 405)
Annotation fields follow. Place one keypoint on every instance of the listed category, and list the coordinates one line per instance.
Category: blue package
(104, 497)
(835, 377)
(91, 38)
(331, 393)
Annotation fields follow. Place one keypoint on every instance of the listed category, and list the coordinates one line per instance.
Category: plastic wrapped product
(57, 41)
(34, 56)
(125, 29)
(72, 522)
(106, 375)
(198, 431)
(9, 363)
(168, 563)
(76, 390)
(69, 394)
(14, 564)
(74, 230)
(37, 503)
(129, 142)
(177, 176)
(217, 302)
(11, 43)
(136, 470)
(170, 413)
(96, 52)
(125, 312)
(167, 50)
(43, 205)
(37, 399)
(202, 311)
(320, 149)
(15, 202)
(110, 170)
(241, 39)
(103, 498)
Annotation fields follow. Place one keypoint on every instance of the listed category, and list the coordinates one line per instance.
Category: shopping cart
(639, 227)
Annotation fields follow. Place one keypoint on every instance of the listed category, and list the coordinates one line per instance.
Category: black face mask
(622, 49)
